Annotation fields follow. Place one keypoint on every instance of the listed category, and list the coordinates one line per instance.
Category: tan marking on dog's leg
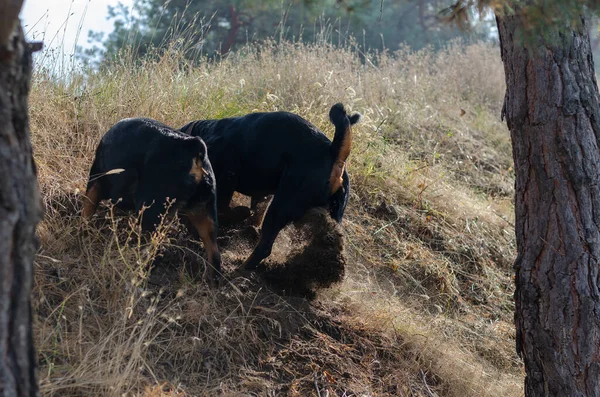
(90, 201)
(259, 208)
(206, 229)
(197, 171)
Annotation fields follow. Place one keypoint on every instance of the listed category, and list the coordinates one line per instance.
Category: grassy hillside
(425, 308)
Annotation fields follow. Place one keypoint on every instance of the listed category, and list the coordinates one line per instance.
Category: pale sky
(61, 24)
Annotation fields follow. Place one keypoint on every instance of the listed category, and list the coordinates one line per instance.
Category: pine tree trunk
(553, 113)
(20, 211)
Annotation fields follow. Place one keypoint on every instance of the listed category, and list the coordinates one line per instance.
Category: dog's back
(127, 143)
(125, 151)
(258, 147)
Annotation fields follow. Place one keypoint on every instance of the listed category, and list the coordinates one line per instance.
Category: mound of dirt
(306, 257)
(316, 260)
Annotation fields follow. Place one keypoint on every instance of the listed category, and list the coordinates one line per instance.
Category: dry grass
(425, 308)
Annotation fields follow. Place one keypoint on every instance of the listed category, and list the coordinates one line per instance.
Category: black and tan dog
(141, 162)
(279, 153)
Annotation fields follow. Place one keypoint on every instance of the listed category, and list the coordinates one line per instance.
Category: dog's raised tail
(342, 140)
(342, 143)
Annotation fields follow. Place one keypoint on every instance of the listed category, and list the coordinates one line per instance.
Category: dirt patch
(316, 260)
(307, 256)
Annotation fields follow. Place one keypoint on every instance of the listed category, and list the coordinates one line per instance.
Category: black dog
(156, 163)
(279, 153)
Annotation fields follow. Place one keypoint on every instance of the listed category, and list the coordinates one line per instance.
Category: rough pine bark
(553, 113)
(20, 211)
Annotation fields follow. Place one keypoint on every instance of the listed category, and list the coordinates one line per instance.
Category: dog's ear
(198, 147)
(198, 159)
(202, 146)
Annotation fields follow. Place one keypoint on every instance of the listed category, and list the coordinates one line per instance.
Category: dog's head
(173, 172)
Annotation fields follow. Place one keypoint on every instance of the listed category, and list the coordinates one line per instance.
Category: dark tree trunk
(553, 113)
(20, 211)
(236, 24)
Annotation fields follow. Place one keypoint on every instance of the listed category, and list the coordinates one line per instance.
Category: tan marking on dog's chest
(90, 200)
(197, 171)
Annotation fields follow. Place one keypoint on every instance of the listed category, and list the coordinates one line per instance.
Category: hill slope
(425, 307)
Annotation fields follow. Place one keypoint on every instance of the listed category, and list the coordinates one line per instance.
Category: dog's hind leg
(286, 207)
(274, 221)
(258, 205)
(226, 185)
